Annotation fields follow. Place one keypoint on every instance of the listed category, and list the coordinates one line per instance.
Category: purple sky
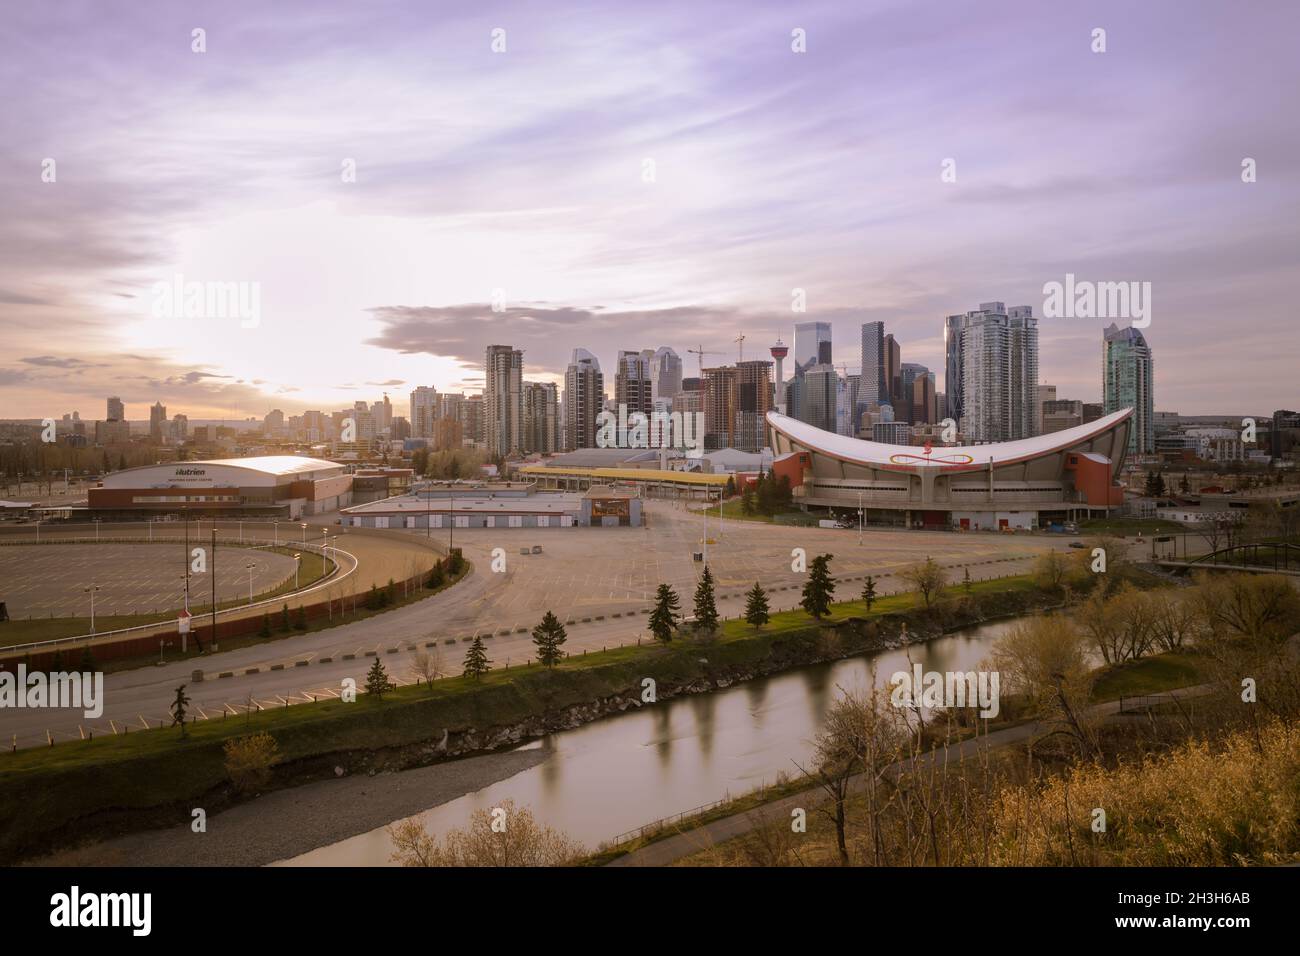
(522, 172)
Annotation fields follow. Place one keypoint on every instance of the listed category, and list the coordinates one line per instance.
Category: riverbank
(287, 823)
(145, 780)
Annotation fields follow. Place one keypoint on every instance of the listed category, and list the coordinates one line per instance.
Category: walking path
(671, 849)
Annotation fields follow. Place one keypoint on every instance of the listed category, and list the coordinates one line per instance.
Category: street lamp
(91, 591)
(304, 534)
(859, 519)
(97, 521)
(324, 547)
(297, 563)
(249, 568)
(275, 533)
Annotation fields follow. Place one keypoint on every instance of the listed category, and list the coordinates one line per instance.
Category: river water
(622, 772)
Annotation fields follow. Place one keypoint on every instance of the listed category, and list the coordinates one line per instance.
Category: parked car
(1076, 544)
(537, 549)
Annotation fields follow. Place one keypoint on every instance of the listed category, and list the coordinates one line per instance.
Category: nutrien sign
(191, 476)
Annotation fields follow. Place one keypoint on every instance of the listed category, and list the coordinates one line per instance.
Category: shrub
(249, 761)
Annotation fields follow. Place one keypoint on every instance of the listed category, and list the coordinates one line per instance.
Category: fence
(156, 637)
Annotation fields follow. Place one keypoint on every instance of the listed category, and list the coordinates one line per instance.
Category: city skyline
(392, 277)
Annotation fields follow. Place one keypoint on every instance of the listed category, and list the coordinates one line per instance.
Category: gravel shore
(287, 823)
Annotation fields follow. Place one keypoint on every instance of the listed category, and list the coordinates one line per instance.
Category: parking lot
(50, 580)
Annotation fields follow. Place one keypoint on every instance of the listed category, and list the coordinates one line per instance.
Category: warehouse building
(274, 486)
(497, 505)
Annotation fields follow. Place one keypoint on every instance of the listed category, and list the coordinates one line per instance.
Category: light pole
(324, 547)
(275, 533)
(859, 519)
(187, 558)
(249, 568)
(297, 563)
(212, 569)
(241, 530)
(304, 534)
(91, 591)
(97, 521)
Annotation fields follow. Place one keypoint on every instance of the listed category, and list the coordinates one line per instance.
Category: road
(600, 579)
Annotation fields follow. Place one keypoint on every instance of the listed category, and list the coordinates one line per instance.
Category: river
(622, 772)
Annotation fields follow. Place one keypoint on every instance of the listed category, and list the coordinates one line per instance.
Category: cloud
(54, 361)
(548, 333)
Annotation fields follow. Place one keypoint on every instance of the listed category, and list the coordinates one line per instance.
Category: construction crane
(740, 341)
(701, 352)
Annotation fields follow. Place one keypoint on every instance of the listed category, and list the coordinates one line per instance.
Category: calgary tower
(779, 352)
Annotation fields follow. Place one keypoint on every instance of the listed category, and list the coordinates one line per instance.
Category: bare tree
(1051, 570)
(504, 835)
(426, 666)
(1175, 622)
(927, 577)
(1030, 655)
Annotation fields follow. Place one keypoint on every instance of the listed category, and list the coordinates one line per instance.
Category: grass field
(1148, 675)
(1130, 526)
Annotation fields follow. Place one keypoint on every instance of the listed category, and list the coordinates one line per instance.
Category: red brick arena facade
(274, 486)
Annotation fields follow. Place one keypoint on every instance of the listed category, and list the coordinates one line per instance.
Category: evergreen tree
(965, 582)
(663, 620)
(437, 576)
(377, 679)
(548, 636)
(87, 660)
(747, 500)
(756, 606)
(121, 462)
(730, 490)
(869, 592)
(454, 562)
(300, 622)
(266, 625)
(784, 493)
(476, 660)
(765, 495)
(706, 609)
(819, 588)
(181, 702)
(284, 618)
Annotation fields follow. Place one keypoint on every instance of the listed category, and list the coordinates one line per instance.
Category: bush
(249, 761)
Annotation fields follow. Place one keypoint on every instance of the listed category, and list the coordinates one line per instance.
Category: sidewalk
(674, 848)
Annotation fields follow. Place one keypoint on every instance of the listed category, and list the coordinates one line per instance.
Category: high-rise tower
(779, 352)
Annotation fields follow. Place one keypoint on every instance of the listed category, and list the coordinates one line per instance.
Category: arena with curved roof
(267, 486)
(1058, 477)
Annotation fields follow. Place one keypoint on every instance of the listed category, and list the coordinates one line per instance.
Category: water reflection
(600, 780)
